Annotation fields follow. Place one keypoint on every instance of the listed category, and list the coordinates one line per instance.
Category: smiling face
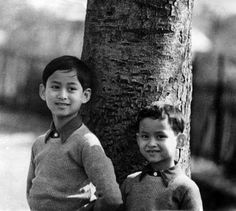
(157, 142)
(64, 94)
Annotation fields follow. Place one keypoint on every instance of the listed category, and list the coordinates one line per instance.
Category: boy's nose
(62, 95)
(152, 142)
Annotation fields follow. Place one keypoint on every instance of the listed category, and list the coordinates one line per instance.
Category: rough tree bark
(140, 50)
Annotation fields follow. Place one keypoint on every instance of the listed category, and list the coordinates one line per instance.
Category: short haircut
(161, 112)
(84, 74)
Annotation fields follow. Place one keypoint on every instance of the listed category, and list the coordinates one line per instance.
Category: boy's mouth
(62, 104)
(153, 151)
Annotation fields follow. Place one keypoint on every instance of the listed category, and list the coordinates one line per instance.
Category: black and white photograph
(117, 105)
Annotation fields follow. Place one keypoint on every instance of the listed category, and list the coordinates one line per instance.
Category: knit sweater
(59, 169)
(170, 190)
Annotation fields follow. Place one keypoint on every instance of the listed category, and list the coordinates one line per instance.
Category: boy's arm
(30, 175)
(192, 199)
(100, 171)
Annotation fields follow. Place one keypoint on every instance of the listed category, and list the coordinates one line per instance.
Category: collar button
(55, 135)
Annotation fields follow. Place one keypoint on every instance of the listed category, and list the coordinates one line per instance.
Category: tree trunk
(140, 50)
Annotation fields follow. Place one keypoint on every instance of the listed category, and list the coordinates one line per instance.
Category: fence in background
(213, 119)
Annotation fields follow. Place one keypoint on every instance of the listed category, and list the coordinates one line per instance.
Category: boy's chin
(161, 164)
(65, 115)
(61, 115)
(153, 159)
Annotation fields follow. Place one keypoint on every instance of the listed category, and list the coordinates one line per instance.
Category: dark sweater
(168, 190)
(60, 168)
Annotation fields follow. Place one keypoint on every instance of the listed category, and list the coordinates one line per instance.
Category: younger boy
(68, 160)
(162, 185)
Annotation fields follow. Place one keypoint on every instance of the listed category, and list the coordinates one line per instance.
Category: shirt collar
(166, 175)
(65, 131)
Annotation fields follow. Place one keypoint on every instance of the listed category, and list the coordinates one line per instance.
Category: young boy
(68, 160)
(162, 185)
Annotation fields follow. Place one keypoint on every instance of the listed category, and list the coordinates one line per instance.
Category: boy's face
(157, 142)
(64, 94)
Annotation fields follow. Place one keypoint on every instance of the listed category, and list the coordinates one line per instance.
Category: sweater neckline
(166, 175)
(65, 131)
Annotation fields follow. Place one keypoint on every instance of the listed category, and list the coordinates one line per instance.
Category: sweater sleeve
(31, 174)
(100, 171)
(192, 199)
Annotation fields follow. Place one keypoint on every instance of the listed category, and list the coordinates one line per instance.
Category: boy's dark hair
(84, 73)
(162, 111)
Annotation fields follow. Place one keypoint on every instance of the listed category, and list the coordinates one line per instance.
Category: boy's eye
(71, 89)
(160, 136)
(144, 136)
(55, 87)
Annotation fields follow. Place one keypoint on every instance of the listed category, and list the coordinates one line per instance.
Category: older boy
(162, 185)
(69, 159)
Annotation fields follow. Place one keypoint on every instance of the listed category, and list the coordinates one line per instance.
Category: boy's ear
(87, 95)
(181, 140)
(42, 92)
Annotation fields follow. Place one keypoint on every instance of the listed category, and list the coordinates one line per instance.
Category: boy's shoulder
(133, 178)
(188, 190)
(84, 136)
(40, 140)
(182, 180)
(130, 181)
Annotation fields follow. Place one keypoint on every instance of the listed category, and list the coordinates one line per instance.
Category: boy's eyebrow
(72, 83)
(56, 82)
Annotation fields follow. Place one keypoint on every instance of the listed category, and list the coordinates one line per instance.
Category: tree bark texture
(141, 52)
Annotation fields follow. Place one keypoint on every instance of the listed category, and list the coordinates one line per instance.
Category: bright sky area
(69, 9)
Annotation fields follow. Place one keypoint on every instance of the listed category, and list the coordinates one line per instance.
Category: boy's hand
(86, 192)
